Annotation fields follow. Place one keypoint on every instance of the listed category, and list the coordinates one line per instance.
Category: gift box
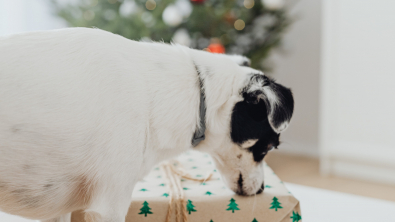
(160, 198)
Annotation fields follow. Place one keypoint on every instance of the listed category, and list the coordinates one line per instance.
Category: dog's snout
(241, 191)
(261, 189)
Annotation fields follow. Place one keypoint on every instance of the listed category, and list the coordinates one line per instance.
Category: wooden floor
(305, 171)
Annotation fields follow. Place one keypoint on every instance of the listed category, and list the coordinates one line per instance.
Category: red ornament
(216, 48)
(198, 1)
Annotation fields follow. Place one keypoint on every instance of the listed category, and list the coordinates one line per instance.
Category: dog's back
(68, 97)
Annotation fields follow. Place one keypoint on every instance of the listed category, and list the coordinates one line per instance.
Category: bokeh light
(150, 4)
(239, 24)
(249, 3)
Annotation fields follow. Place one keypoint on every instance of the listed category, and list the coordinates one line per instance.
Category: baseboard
(357, 160)
(363, 171)
(297, 149)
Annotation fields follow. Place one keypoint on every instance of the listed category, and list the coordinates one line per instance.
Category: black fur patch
(261, 189)
(283, 112)
(249, 121)
(280, 110)
(246, 63)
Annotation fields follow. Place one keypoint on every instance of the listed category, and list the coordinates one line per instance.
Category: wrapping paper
(210, 201)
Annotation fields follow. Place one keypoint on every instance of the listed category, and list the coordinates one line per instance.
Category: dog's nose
(240, 190)
(261, 189)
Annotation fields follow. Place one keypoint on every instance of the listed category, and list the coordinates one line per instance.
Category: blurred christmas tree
(248, 27)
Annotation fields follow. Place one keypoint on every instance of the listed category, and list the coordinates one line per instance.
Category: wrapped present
(203, 197)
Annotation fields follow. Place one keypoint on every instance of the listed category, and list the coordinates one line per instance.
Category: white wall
(358, 93)
(297, 65)
(27, 15)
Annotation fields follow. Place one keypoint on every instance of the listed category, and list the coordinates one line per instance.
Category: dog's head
(257, 118)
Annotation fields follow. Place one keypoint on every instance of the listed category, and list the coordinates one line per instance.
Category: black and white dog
(85, 114)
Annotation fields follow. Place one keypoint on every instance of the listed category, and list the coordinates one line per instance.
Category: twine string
(173, 172)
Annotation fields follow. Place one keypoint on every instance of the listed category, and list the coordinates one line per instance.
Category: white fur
(86, 111)
(248, 143)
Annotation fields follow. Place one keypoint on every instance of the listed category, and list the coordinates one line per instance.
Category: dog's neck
(217, 75)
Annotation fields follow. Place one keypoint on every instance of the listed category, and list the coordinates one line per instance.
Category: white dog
(85, 114)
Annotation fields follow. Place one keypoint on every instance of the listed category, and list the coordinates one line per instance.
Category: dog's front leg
(63, 218)
(105, 210)
(111, 201)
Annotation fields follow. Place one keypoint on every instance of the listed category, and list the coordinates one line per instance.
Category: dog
(85, 114)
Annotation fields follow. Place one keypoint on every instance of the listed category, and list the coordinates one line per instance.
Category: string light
(249, 3)
(150, 4)
(239, 24)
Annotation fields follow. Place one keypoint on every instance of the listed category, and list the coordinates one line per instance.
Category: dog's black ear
(278, 100)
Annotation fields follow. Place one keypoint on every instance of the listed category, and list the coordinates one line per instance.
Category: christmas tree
(190, 207)
(249, 27)
(275, 204)
(208, 193)
(233, 205)
(254, 220)
(295, 217)
(145, 209)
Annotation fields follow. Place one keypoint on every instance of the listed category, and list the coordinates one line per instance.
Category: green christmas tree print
(144, 190)
(162, 184)
(208, 193)
(275, 204)
(233, 205)
(165, 195)
(145, 209)
(295, 217)
(268, 186)
(211, 221)
(190, 207)
(254, 220)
